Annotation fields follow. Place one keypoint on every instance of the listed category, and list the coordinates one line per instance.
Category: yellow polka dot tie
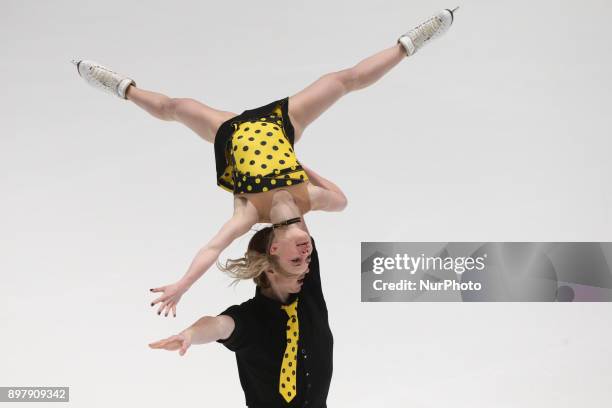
(287, 383)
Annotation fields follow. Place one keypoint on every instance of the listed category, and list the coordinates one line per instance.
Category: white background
(498, 131)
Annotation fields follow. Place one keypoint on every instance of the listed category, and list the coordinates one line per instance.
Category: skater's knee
(348, 79)
(171, 106)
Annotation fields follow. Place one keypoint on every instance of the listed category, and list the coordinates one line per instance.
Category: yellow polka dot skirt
(258, 154)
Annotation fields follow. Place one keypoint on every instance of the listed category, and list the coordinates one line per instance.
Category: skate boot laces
(425, 31)
(105, 77)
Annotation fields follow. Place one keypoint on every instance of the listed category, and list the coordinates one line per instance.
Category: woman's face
(293, 247)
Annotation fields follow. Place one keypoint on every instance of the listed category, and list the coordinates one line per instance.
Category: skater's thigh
(199, 117)
(316, 98)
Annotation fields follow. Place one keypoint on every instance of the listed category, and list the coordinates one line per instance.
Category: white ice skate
(432, 28)
(103, 78)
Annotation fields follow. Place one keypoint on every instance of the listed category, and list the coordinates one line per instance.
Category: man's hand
(180, 342)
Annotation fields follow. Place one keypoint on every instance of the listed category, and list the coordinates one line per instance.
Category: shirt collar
(273, 303)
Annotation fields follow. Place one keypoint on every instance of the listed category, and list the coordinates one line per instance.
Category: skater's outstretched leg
(311, 102)
(200, 118)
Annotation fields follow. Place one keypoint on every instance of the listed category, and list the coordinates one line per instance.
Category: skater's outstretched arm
(206, 330)
(326, 196)
(245, 216)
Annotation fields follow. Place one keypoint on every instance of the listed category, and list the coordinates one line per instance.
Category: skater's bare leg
(311, 102)
(200, 118)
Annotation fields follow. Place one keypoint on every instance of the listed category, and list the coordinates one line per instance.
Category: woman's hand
(180, 342)
(241, 222)
(171, 296)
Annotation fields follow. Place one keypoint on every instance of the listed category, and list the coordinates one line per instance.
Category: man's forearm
(205, 330)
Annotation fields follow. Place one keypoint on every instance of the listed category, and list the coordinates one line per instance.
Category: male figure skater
(281, 338)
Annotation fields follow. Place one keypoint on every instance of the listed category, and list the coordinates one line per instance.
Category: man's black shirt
(259, 341)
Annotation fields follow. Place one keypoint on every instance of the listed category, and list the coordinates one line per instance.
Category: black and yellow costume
(254, 150)
(284, 351)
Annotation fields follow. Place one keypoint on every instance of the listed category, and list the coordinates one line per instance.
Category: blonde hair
(256, 260)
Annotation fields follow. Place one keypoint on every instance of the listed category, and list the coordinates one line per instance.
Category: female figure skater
(254, 153)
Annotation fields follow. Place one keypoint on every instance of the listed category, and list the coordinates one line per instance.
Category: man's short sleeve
(243, 334)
